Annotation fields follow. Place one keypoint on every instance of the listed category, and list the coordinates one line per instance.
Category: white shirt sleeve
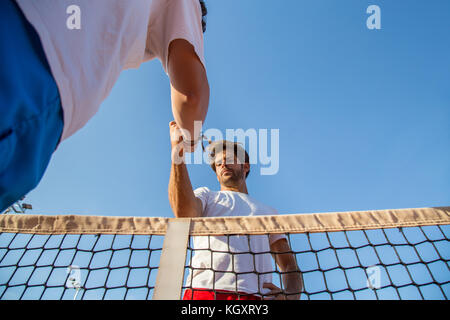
(203, 194)
(178, 19)
(274, 237)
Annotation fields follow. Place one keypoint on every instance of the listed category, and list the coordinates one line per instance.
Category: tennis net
(380, 254)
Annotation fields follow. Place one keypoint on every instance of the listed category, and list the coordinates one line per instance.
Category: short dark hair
(223, 145)
(204, 13)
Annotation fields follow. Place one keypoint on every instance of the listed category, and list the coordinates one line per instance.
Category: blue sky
(363, 115)
(335, 265)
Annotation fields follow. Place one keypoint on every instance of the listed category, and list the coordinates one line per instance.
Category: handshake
(180, 140)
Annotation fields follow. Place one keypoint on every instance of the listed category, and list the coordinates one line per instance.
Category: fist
(275, 292)
(175, 134)
(178, 138)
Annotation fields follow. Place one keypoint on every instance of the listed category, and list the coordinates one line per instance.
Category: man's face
(229, 172)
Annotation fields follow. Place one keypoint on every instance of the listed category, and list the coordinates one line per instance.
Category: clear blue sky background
(363, 115)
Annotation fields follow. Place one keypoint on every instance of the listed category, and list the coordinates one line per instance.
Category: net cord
(291, 223)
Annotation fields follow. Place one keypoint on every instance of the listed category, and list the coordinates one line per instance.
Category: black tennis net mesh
(380, 263)
(397, 263)
(72, 266)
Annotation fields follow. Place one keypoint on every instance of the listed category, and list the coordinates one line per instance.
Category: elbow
(182, 211)
(198, 105)
(192, 104)
(177, 212)
(197, 101)
(190, 107)
(184, 214)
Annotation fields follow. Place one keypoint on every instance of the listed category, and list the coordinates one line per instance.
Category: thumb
(270, 285)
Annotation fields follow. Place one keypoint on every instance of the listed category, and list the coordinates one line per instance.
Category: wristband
(191, 144)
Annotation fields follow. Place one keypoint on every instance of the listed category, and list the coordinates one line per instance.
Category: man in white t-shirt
(230, 267)
(59, 59)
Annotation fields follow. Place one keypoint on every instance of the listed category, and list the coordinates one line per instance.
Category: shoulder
(202, 190)
(174, 20)
(263, 209)
(204, 193)
(271, 210)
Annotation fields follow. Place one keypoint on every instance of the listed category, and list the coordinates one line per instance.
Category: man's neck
(241, 189)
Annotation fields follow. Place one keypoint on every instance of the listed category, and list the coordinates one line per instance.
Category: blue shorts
(31, 116)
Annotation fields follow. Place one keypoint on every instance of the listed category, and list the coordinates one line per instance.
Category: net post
(169, 280)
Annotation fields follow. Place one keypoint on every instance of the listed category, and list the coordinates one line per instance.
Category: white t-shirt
(217, 268)
(114, 35)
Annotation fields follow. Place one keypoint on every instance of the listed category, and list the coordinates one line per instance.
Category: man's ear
(246, 167)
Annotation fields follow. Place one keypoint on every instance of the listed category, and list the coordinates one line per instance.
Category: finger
(269, 296)
(281, 296)
(176, 137)
(270, 285)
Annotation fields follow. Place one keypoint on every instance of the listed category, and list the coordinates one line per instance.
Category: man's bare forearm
(181, 196)
(189, 87)
(187, 111)
(293, 282)
(291, 274)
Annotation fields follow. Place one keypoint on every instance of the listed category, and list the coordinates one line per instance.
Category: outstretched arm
(181, 196)
(291, 275)
(189, 86)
